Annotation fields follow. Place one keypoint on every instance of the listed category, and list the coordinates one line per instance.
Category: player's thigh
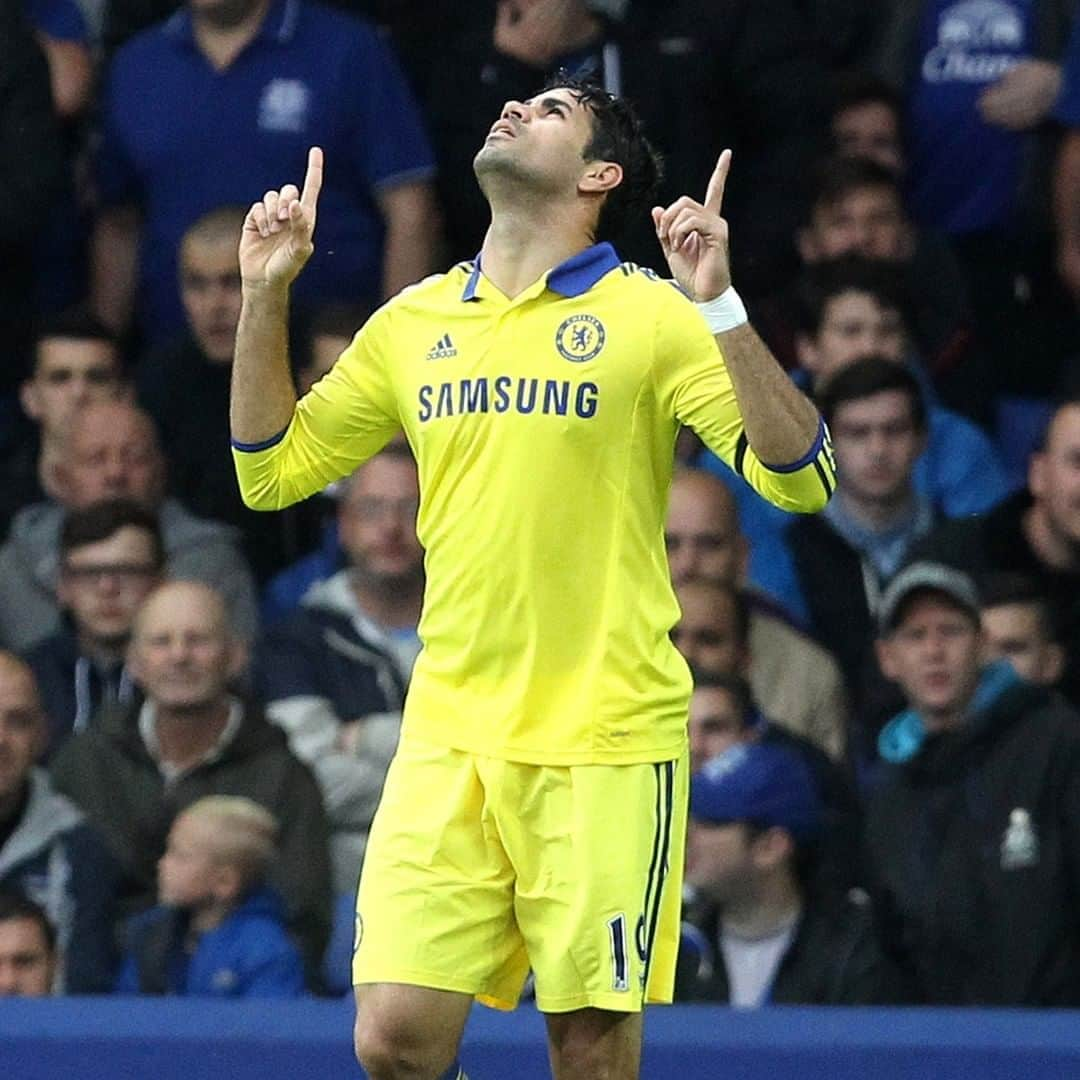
(594, 1044)
(598, 855)
(408, 1025)
(435, 903)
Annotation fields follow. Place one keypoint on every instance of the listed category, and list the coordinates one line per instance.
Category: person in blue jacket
(849, 310)
(218, 930)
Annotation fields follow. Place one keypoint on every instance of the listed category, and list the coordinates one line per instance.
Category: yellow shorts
(478, 869)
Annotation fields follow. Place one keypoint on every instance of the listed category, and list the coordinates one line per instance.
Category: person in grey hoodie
(111, 452)
(48, 852)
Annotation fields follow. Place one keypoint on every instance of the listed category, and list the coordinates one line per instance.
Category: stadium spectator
(138, 767)
(848, 310)
(377, 594)
(796, 681)
(111, 452)
(711, 636)
(857, 208)
(111, 557)
(760, 932)
(851, 309)
(715, 637)
(1035, 532)
(218, 930)
(846, 555)
(277, 77)
(974, 832)
(47, 850)
(75, 362)
(328, 334)
(867, 122)
(184, 386)
(27, 947)
(766, 101)
(32, 175)
(1018, 626)
(979, 81)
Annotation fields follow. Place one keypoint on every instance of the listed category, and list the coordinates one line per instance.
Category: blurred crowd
(198, 703)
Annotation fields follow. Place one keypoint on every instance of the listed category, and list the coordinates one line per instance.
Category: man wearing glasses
(111, 557)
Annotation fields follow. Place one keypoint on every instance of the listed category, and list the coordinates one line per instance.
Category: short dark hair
(865, 378)
(16, 905)
(76, 323)
(617, 135)
(820, 284)
(838, 177)
(735, 685)
(100, 520)
(855, 88)
(1003, 588)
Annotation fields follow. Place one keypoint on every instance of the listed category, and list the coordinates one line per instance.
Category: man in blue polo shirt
(223, 99)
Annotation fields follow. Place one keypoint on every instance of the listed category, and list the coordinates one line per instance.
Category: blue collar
(574, 277)
(279, 24)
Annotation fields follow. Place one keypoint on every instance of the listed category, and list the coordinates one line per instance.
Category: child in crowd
(218, 930)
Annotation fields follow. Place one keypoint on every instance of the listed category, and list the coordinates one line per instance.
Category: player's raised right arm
(275, 243)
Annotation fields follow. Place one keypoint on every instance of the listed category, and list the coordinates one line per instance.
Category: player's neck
(523, 243)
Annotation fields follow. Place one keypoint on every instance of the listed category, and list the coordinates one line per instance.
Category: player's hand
(276, 239)
(694, 238)
(1023, 96)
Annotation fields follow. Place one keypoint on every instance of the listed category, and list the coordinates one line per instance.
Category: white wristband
(724, 312)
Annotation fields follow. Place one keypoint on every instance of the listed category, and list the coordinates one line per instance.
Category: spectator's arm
(113, 257)
(1067, 211)
(412, 232)
(71, 75)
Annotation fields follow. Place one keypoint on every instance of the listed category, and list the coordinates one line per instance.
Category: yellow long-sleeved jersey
(544, 430)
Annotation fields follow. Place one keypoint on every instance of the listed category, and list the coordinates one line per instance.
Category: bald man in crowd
(794, 680)
(112, 452)
(184, 386)
(137, 767)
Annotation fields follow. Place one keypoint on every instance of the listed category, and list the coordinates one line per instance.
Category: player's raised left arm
(782, 426)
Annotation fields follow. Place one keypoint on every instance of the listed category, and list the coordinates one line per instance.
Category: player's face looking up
(538, 144)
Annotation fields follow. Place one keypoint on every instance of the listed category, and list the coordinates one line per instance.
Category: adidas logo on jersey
(443, 349)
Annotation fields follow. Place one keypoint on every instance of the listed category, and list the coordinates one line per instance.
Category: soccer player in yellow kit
(534, 814)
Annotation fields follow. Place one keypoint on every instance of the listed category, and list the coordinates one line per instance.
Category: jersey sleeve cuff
(808, 458)
(265, 444)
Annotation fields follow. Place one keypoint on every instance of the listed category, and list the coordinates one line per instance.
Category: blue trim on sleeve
(255, 447)
(808, 458)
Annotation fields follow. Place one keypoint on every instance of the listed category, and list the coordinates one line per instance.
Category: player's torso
(518, 380)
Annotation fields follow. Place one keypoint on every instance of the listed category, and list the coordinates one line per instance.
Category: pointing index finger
(714, 194)
(312, 179)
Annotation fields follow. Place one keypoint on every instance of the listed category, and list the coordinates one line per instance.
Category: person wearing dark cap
(973, 834)
(757, 933)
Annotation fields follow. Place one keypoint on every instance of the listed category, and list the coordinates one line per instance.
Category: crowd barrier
(173, 1039)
